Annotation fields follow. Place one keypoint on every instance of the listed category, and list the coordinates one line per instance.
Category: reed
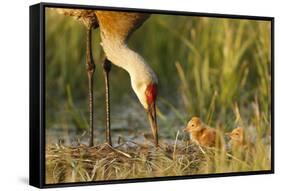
(217, 69)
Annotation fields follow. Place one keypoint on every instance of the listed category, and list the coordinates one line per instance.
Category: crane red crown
(151, 93)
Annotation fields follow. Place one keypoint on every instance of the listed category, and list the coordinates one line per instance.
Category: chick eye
(192, 125)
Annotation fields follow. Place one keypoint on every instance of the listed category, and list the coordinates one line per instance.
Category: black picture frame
(37, 94)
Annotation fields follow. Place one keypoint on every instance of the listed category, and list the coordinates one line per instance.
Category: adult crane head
(146, 90)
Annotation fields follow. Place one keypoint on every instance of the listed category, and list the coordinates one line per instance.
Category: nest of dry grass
(125, 161)
(130, 160)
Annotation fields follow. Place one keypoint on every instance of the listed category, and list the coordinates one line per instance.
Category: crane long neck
(141, 74)
(120, 55)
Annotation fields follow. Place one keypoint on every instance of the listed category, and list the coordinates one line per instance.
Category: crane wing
(120, 24)
(86, 16)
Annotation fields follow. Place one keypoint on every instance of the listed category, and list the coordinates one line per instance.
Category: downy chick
(201, 134)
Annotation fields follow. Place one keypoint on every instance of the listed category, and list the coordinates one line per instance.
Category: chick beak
(228, 135)
(151, 113)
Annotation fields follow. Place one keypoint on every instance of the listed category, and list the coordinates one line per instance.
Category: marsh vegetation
(214, 68)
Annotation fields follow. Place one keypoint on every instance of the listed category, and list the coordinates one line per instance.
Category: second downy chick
(238, 141)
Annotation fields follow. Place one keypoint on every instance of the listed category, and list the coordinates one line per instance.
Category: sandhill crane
(115, 29)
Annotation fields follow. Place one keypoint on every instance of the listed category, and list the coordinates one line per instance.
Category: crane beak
(151, 113)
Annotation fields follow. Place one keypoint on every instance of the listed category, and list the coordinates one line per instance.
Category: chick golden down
(201, 134)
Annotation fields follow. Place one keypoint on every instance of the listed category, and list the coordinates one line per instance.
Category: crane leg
(90, 67)
(106, 70)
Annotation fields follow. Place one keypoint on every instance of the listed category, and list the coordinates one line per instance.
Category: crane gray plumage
(115, 29)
